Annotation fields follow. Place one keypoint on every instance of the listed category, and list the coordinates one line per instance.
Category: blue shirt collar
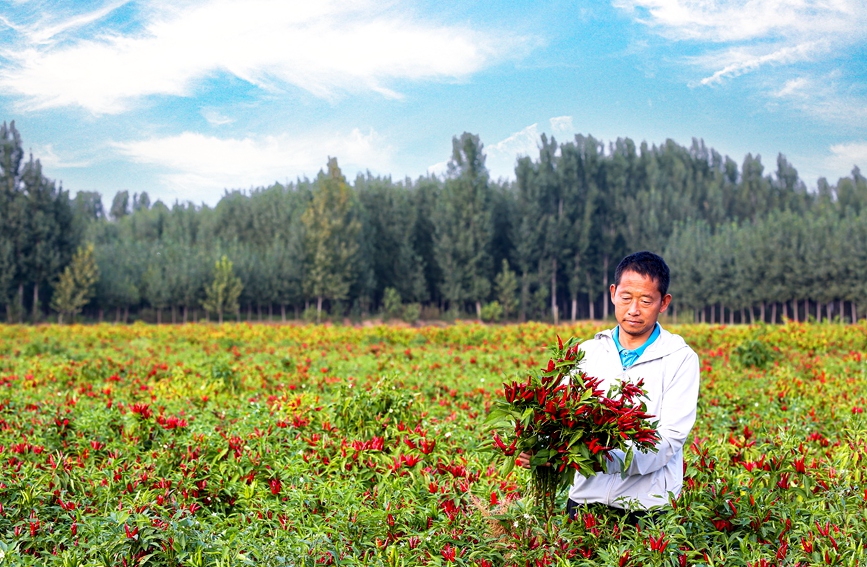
(629, 357)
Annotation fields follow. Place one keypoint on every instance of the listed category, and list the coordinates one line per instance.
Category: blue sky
(185, 99)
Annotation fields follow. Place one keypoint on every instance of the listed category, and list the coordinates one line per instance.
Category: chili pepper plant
(568, 424)
(310, 445)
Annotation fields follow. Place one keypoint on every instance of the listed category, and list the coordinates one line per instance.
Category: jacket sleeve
(676, 418)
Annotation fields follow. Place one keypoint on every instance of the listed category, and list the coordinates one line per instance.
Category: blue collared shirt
(628, 357)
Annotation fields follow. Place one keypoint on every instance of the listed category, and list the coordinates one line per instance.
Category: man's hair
(646, 264)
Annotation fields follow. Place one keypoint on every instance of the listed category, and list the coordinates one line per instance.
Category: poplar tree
(463, 225)
(222, 295)
(76, 286)
(48, 230)
(13, 229)
(506, 285)
(331, 233)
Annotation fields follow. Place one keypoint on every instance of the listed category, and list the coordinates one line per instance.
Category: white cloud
(439, 169)
(738, 20)
(326, 47)
(49, 159)
(741, 60)
(199, 167)
(502, 156)
(562, 125)
(46, 32)
(792, 87)
(845, 156)
(826, 97)
(215, 117)
(757, 33)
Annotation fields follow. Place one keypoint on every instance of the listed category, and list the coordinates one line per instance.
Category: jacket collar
(664, 345)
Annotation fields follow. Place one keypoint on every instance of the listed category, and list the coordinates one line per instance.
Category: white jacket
(671, 375)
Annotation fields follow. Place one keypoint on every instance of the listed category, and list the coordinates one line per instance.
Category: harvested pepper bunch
(568, 423)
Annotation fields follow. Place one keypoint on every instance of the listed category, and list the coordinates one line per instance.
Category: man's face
(637, 303)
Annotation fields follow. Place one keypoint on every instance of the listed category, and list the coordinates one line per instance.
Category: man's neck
(632, 342)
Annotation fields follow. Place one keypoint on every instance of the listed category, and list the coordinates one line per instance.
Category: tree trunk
(125, 314)
(525, 291)
(818, 312)
(752, 315)
(117, 315)
(185, 315)
(774, 313)
(318, 308)
(831, 311)
(554, 311)
(762, 312)
(731, 316)
(592, 305)
(854, 309)
(795, 310)
(259, 311)
(101, 315)
(21, 303)
(605, 292)
(479, 309)
(174, 315)
(295, 310)
(220, 316)
(36, 303)
(574, 308)
(59, 318)
(282, 313)
(703, 315)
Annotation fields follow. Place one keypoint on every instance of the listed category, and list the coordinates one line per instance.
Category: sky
(189, 98)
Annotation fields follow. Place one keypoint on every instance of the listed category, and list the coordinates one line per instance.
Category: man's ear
(666, 301)
(611, 289)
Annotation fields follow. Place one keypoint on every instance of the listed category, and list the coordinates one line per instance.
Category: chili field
(326, 445)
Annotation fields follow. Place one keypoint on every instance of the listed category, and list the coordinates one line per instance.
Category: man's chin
(636, 332)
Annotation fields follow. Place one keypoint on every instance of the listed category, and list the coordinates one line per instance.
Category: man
(638, 347)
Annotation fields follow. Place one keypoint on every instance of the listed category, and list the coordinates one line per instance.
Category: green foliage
(464, 226)
(746, 242)
(77, 284)
(331, 238)
(222, 295)
(225, 375)
(255, 450)
(492, 312)
(392, 306)
(411, 312)
(360, 411)
(506, 285)
(753, 353)
(310, 314)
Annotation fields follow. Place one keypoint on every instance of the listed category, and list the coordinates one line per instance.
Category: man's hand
(523, 460)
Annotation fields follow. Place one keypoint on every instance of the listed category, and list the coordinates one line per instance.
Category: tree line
(744, 244)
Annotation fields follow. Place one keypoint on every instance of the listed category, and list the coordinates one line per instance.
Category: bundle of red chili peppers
(568, 423)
